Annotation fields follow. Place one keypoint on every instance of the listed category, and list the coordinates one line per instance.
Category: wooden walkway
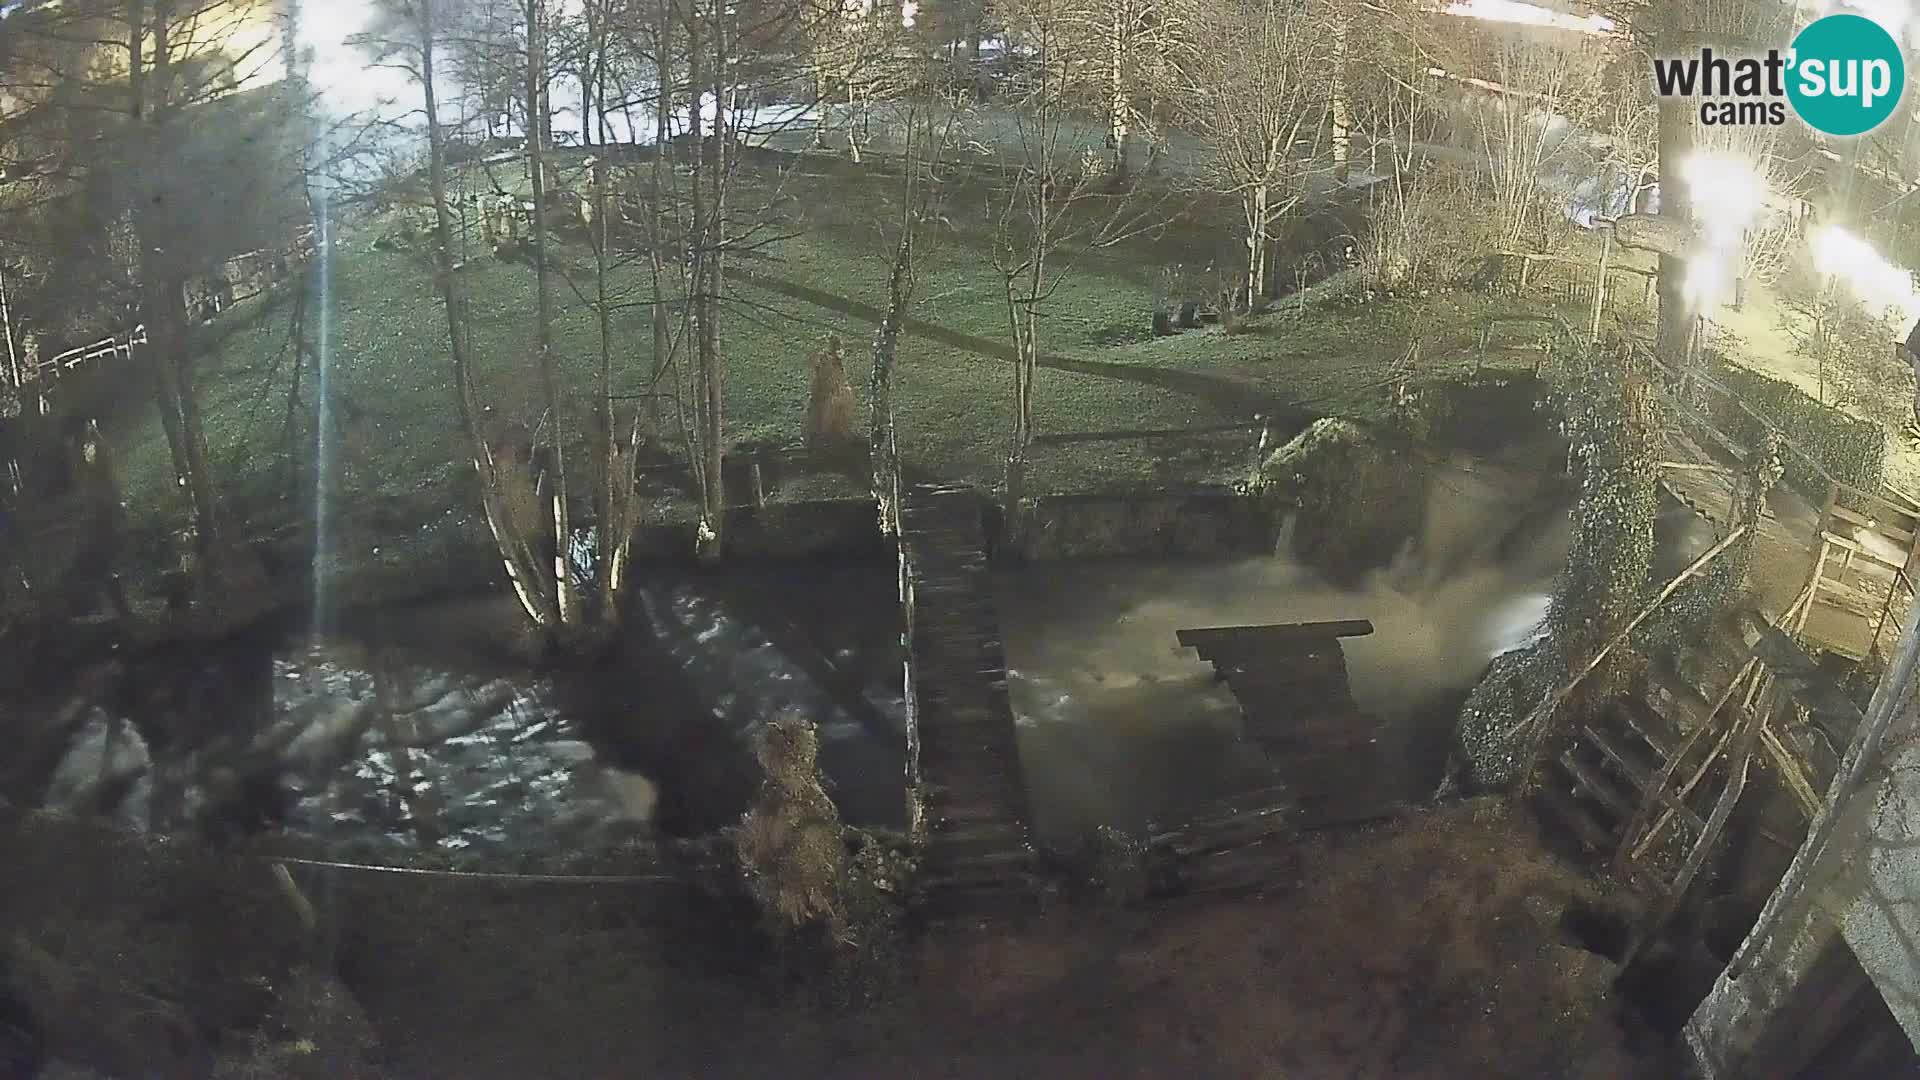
(240, 278)
(976, 852)
(1860, 550)
(1291, 683)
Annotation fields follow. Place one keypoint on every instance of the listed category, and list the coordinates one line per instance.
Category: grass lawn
(397, 456)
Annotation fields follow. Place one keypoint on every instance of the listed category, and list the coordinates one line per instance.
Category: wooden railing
(48, 370)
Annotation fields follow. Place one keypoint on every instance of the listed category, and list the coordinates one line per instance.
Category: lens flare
(1874, 281)
(1728, 195)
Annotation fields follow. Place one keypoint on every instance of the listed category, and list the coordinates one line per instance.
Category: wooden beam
(1278, 632)
(1554, 698)
(1748, 727)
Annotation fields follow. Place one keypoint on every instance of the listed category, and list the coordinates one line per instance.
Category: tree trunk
(708, 168)
(656, 212)
(1674, 331)
(610, 495)
(521, 565)
(543, 316)
(886, 342)
(1340, 109)
(1119, 102)
(1256, 238)
(162, 280)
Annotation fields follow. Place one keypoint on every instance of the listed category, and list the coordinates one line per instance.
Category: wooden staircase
(975, 852)
(1610, 768)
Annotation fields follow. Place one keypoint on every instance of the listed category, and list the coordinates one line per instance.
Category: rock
(1355, 501)
(635, 795)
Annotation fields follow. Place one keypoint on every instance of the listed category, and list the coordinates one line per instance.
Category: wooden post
(14, 374)
(1600, 286)
(1813, 586)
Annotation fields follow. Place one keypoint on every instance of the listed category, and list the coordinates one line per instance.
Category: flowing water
(412, 727)
(409, 735)
(1120, 725)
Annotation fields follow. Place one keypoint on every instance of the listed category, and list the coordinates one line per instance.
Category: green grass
(399, 457)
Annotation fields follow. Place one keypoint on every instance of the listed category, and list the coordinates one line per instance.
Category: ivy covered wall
(1612, 431)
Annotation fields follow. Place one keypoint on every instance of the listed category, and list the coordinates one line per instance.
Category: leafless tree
(1546, 89)
(1258, 88)
(411, 39)
(1052, 204)
(929, 128)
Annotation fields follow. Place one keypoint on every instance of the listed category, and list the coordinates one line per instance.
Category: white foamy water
(1120, 724)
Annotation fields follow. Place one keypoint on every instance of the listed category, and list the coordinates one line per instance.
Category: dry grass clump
(791, 844)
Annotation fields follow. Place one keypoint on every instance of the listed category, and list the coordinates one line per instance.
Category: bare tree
(1051, 206)
(1125, 52)
(1521, 130)
(1258, 88)
(851, 47)
(411, 39)
(929, 128)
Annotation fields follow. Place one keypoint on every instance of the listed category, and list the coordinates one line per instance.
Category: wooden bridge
(1331, 759)
(963, 757)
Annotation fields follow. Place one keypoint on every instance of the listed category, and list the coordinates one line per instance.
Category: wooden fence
(243, 277)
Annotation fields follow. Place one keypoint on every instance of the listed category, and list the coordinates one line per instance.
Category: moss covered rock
(1353, 499)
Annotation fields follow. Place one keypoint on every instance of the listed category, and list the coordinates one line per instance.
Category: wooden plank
(1892, 531)
(1278, 632)
(1836, 593)
(1636, 774)
(1565, 810)
(1855, 548)
(1596, 785)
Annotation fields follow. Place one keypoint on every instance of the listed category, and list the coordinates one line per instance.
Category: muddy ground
(1430, 947)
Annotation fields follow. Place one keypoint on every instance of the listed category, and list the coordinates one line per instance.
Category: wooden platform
(1291, 682)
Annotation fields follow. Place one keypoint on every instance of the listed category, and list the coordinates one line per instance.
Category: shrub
(1426, 231)
(1853, 450)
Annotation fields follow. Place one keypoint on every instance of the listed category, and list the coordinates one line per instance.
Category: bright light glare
(342, 74)
(1515, 11)
(1728, 195)
(1879, 284)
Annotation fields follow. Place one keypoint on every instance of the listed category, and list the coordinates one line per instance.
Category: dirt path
(1228, 395)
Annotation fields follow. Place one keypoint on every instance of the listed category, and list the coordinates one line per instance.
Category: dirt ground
(1431, 947)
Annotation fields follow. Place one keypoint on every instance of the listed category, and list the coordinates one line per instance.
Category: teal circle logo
(1845, 75)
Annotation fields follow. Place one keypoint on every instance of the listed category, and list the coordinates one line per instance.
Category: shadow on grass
(1227, 395)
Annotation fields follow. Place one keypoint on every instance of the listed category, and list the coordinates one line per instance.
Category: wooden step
(1656, 730)
(1636, 772)
(1595, 783)
(1562, 808)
